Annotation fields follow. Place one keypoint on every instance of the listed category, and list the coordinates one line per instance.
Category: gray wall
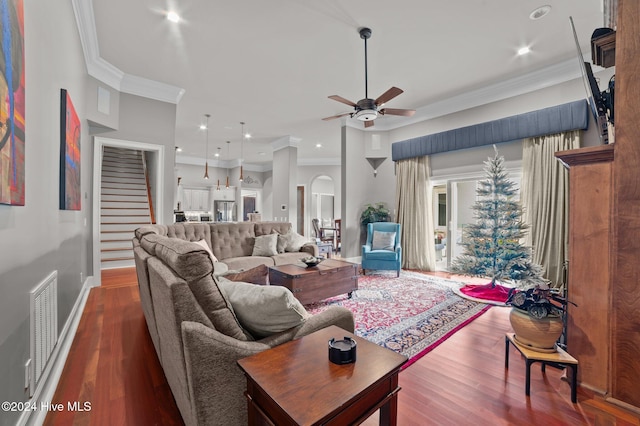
(149, 121)
(39, 238)
(555, 95)
(359, 187)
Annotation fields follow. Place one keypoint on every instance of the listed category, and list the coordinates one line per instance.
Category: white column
(285, 179)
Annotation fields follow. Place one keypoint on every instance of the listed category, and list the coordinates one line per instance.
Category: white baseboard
(51, 375)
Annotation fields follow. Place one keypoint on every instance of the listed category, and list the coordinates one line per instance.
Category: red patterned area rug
(410, 315)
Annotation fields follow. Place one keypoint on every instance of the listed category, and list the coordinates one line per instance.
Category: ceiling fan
(367, 109)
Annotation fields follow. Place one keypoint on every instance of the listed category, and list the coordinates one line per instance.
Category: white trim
(526, 83)
(151, 89)
(327, 161)
(109, 74)
(99, 143)
(285, 142)
(96, 66)
(51, 376)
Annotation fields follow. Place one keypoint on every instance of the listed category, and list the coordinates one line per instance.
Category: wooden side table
(325, 248)
(296, 384)
(559, 359)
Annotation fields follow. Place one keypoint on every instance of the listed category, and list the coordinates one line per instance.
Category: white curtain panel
(545, 199)
(413, 204)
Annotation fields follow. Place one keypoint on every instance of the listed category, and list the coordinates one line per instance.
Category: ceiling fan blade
(388, 95)
(396, 111)
(336, 116)
(368, 123)
(343, 100)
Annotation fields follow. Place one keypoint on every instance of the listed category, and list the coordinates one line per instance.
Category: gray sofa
(196, 335)
(232, 242)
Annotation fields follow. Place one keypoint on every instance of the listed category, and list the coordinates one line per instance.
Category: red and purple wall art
(12, 103)
(70, 195)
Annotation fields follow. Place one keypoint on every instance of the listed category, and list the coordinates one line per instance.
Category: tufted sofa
(232, 242)
(197, 337)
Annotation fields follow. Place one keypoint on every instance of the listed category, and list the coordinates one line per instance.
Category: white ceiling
(272, 64)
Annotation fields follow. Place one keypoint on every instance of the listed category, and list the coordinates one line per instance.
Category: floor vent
(44, 325)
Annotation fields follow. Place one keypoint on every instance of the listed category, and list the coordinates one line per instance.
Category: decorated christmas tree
(492, 245)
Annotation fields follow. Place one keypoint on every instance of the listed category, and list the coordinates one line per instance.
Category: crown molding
(285, 142)
(222, 164)
(520, 85)
(328, 161)
(110, 75)
(151, 89)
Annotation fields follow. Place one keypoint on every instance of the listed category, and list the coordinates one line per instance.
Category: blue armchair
(382, 250)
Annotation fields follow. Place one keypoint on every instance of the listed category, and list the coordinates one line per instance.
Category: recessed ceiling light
(540, 12)
(318, 145)
(178, 149)
(524, 50)
(203, 127)
(173, 17)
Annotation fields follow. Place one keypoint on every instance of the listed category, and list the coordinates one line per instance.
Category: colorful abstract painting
(12, 103)
(70, 195)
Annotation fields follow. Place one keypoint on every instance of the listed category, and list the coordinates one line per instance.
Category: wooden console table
(296, 384)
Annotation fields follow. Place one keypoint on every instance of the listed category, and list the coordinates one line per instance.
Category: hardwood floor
(113, 366)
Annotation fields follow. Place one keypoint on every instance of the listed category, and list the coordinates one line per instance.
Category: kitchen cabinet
(196, 199)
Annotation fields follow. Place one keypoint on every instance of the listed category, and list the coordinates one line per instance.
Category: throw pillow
(282, 241)
(383, 241)
(205, 246)
(210, 297)
(264, 310)
(265, 245)
(293, 241)
(258, 275)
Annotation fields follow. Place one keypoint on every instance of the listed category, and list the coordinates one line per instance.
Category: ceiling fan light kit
(366, 109)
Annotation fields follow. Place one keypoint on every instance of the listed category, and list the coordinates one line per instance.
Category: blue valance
(547, 121)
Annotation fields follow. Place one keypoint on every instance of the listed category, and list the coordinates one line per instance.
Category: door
(249, 206)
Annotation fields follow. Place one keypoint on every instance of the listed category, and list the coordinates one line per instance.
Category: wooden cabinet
(625, 294)
(604, 330)
(589, 282)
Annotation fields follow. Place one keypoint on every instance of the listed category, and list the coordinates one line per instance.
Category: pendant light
(218, 156)
(228, 157)
(206, 150)
(241, 150)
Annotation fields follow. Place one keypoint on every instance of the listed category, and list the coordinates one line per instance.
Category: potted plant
(377, 212)
(537, 321)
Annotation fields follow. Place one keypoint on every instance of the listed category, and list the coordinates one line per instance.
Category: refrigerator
(224, 211)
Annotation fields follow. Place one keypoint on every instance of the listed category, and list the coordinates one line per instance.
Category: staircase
(124, 205)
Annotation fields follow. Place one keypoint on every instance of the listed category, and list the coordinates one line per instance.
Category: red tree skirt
(492, 292)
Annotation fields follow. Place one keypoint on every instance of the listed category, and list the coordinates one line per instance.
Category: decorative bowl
(312, 261)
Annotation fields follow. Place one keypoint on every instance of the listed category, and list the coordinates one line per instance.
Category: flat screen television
(600, 103)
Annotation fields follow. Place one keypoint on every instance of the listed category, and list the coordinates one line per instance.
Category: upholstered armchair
(382, 250)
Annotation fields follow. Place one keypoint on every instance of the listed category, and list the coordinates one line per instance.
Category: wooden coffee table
(296, 384)
(330, 278)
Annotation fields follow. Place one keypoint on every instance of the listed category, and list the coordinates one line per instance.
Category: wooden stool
(560, 359)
